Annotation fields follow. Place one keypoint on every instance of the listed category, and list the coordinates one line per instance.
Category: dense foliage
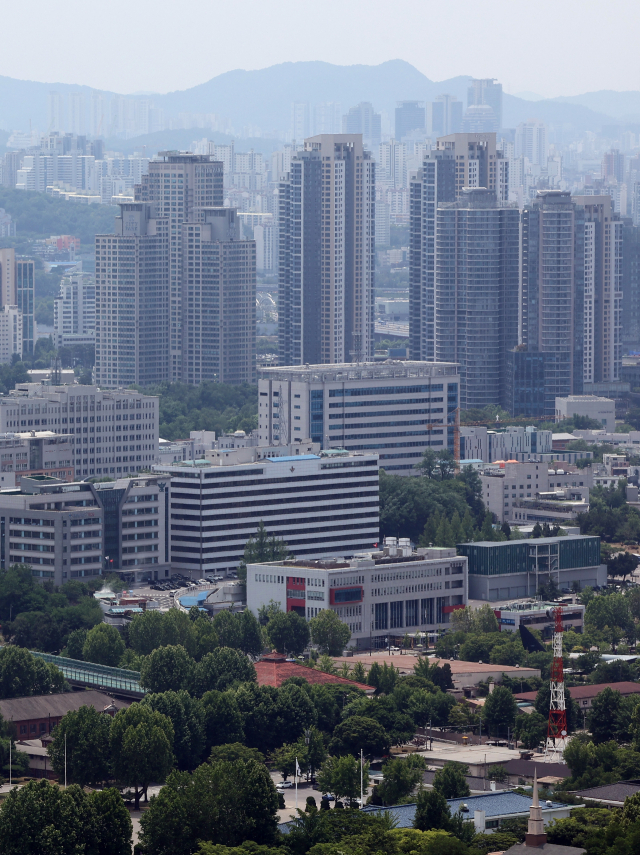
(209, 406)
(38, 215)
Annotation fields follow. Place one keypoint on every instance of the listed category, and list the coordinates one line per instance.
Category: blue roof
(500, 803)
(194, 600)
(293, 457)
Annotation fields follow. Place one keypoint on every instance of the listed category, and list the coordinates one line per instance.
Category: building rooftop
(360, 371)
(43, 706)
(613, 794)
(274, 669)
(579, 693)
(536, 541)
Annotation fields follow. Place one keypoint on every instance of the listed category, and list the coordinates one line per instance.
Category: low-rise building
(511, 443)
(585, 695)
(39, 714)
(274, 669)
(517, 568)
(39, 452)
(380, 596)
(602, 410)
(318, 503)
(538, 616)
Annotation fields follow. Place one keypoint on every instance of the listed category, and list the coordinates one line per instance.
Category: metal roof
(293, 457)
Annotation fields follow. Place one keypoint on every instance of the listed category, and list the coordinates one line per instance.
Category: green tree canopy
(341, 776)
(82, 741)
(187, 716)
(499, 710)
(432, 811)
(358, 732)
(168, 669)
(103, 645)
(262, 548)
(222, 668)
(329, 632)
(23, 674)
(288, 632)
(450, 781)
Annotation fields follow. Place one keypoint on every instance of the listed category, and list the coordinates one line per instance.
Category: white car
(202, 582)
(283, 785)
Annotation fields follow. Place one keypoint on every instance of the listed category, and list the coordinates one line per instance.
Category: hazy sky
(551, 47)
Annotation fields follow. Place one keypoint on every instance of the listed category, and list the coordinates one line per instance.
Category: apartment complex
(74, 309)
(326, 222)
(53, 526)
(478, 162)
(17, 277)
(396, 409)
(516, 568)
(477, 285)
(510, 443)
(380, 595)
(180, 185)
(112, 433)
(319, 504)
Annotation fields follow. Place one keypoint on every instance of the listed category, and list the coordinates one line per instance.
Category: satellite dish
(564, 733)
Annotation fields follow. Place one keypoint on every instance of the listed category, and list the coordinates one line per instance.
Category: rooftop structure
(584, 695)
(39, 714)
(538, 615)
(273, 669)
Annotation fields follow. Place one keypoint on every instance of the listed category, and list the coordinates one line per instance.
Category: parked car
(202, 582)
(283, 785)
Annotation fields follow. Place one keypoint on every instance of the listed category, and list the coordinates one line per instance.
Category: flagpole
(10, 782)
(361, 774)
(296, 776)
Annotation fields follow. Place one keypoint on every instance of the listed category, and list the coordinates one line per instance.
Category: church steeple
(535, 835)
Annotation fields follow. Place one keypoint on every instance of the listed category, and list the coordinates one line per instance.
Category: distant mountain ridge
(263, 97)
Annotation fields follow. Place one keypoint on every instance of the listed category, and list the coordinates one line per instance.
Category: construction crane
(557, 728)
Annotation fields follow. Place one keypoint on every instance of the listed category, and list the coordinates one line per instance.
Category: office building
(507, 482)
(327, 118)
(525, 375)
(219, 300)
(410, 116)
(630, 282)
(181, 185)
(602, 410)
(363, 119)
(531, 142)
(74, 310)
(112, 432)
(479, 119)
(516, 568)
(613, 166)
(37, 452)
(326, 223)
(380, 595)
(132, 300)
(17, 276)
(443, 116)
(395, 409)
(136, 526)
(539, 616)
(478, 162)
(54, 527)
(476, 292)
(489, 93)
(433, 184)
(323, 503)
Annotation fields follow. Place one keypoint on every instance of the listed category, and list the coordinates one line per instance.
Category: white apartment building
(600, 409)
(74, 311)
(531, 142)
(112, 432)
(396, 409)
(10, 333)
(322, 503)
(380, 595)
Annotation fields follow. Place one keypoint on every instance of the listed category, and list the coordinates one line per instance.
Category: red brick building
(274, 669)
(36, 716)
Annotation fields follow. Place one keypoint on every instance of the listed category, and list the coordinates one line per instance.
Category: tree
(103, 645)
(288, 632)
(147, 632)
(141, 748)
(450, 781)
(358, 732)
(432, 811)
(186, 714)
(222, 668)
(81, 742)
(41, 817)
(22, 674)
(341, 776)
(604, 712)
(446, 464)
(222, 719)
(228, 629)
(224, 803)
(531, 729)
(251, 640)
(262, 548)
(401, 777)
(499, 709)
(329, 633)
(75, 643)
(484, 619)
(168, 669)
(235, 752)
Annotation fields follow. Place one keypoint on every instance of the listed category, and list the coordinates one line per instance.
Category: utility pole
(65, 761)
(361, 776)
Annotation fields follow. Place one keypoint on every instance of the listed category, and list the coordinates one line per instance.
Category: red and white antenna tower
(557, 729)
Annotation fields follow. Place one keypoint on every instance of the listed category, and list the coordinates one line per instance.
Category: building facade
(478, 162)
(396, 409)
(326, 222)
(112, 433)
(318, 503)
(477, 284)
(17, 278)
(74, 309)
(39, 452)
(515, 569)
(379, 595)
(601, 410)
